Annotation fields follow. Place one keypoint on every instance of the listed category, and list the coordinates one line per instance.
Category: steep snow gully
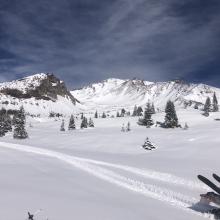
(101, 170)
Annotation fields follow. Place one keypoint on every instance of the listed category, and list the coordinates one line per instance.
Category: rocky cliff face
(40, 94)
(39, 86)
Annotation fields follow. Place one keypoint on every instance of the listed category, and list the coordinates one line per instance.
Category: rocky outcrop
(47, 88)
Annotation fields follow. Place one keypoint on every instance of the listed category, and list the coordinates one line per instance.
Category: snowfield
(103, 173)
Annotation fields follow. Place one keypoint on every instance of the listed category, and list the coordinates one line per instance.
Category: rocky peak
(41, 86)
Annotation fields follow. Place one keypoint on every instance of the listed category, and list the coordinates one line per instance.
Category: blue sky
(84, 41)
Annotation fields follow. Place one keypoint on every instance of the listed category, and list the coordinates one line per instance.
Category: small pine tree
(196, 106)
(84, 123)
(91, 123)
(62, 127)
(2, 126)
(147, 121)
(215, 103)
(72, 125)
(139, 111)
(128, 127)
(171, 120)
(186, 127)
(153, 109)
(148, 145)
(19, 123)
(207, 107)
(96, 114)
(134, 111)
(82, 116)
(123, 128)
(123, 112)
(117, 115)
(103, 115)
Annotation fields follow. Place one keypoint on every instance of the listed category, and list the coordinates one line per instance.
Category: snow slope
(103, 173)
(113, 94)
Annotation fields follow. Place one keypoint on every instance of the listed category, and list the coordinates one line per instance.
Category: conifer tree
(134, 111)
(91, 123)
(171, 120)
(72, 125)
(2, 126)
(8, 123)
(96, 114)
(82, 116)
(19, 123)
(123, 112)
(207, 107)
(84, 123)
(153, 109)
(215, 103)
(147, 120)
(123, 128)
(148, 145)
(139, 111)
(117, 115)
(128, 127)
(103, 115)
(62, 127)
(186, 126)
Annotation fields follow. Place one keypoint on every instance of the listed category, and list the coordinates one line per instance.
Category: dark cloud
(88, 40)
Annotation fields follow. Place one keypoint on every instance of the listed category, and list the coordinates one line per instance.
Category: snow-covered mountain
(40, 94)
(113, 94)
(43, 93)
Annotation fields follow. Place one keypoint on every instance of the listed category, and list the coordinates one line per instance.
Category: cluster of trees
(126, 128)
(138, 111)
(170, 121)
(18, 122)
(102, 116)
(211, 106)
(85, 123)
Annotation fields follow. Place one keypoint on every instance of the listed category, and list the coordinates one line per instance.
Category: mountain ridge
(127, 93)
(43, 93)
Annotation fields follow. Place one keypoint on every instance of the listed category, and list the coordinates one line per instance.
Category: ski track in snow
(162, 194)
(150, 174)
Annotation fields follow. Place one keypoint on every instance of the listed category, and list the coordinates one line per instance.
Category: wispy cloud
(85, 41)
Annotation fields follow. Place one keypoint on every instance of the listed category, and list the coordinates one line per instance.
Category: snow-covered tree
(153, 109)
(196, 106)
(148, 145)
(215, 103)
(207, 107)
(82, 116)
(147, 120)
(117, 115)
(62, 127)
(8, 122)
(128, 127)
(84, 123)
(123, 112)
(96, 114)
(103, 115)
(139, 111)
(186, 127)
(134, 111)
(123, 128)
(72, 125)
(2, 126)
(171, 120)
(19, 124)
(91, 123)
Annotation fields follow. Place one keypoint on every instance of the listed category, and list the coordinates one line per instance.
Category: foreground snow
(102, 173)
